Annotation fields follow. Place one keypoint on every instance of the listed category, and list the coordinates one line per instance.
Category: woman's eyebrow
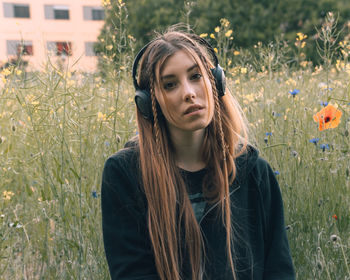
(194, 66)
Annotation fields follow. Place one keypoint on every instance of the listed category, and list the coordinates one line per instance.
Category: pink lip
(192, 109)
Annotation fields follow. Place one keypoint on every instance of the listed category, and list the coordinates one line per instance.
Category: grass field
(58, 127)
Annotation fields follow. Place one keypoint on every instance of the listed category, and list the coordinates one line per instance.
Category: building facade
(63, 31)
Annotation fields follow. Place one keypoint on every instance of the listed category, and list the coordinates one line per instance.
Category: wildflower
(7, 195)
(6, 72)
(277, 172)
(224, 22)
(212, 36)
(94, 194)
(101, 117)
(294, 92)
(228, 33)
(216, 50)
(324, 147)
(334, 237)
(106, 2)
(314, 140)
(294, 153)
(107, 144)
(217, 29)
(275, 114)
(328, 117)
(109, 47)
(236, 53)
(335, 217)
(301, 36)
(244, 70)
(203, 35)
(2, 216)
(324, 104)
(266, 139)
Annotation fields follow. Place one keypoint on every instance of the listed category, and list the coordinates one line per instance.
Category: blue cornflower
(94, 194)
(277, 172)
(324, 103)
(314, 140)
(266, 139)
(324, 147)
(349, 103)
(294, 92)
(107, 144)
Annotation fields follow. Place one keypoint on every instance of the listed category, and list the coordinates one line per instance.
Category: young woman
(189, 198)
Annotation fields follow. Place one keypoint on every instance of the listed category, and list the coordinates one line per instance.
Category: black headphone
(143, 97)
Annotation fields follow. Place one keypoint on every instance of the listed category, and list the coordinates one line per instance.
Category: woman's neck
(188, 147)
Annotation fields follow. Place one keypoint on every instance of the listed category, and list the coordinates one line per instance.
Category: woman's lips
(193, 109)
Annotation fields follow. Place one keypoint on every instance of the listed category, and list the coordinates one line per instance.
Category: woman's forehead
(179, 60)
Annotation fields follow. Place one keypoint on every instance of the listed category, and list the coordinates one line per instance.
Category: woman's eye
(169, 85)
(196, 76)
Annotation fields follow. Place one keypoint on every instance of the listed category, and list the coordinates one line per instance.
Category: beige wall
(40, 30)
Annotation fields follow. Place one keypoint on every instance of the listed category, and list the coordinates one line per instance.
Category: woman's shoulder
(125, 156)
(252, 164)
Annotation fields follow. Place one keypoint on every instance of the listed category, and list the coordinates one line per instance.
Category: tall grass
(57, 127)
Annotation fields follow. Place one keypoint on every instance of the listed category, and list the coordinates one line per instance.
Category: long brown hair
(173, 229)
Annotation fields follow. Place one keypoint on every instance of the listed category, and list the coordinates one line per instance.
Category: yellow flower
(236, 53)
(303, 64)
(216, 50)
(109, 47)
(244, 70)
(212, 36)
(18, 72)
(7, 195)
(217, 29)
(106, 2)
(101, 117)
(229, 33)
(6, 72)
(301, 36)
(224, 22)
(203, 35)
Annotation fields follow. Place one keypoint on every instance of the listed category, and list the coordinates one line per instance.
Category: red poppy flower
(328, 117)
(335, 217)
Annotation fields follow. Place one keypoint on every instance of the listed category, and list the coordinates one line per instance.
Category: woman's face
(182, 94)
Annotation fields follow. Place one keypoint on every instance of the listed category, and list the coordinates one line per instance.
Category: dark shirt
(261, 249)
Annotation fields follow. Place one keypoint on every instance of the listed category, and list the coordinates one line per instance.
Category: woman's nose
(189, 91)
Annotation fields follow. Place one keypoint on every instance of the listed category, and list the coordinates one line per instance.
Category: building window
(60, 48)
(18, 48)
(93, 13)
(56, 12)
(90, 49)
(12, 10)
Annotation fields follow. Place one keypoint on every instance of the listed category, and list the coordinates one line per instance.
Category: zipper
(216, 204)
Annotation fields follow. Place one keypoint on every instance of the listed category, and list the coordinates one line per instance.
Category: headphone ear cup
(220, 80)
(144, 103)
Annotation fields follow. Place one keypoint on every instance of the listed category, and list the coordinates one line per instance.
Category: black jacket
(261, 249)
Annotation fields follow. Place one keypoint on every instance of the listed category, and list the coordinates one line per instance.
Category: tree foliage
(253, 21)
